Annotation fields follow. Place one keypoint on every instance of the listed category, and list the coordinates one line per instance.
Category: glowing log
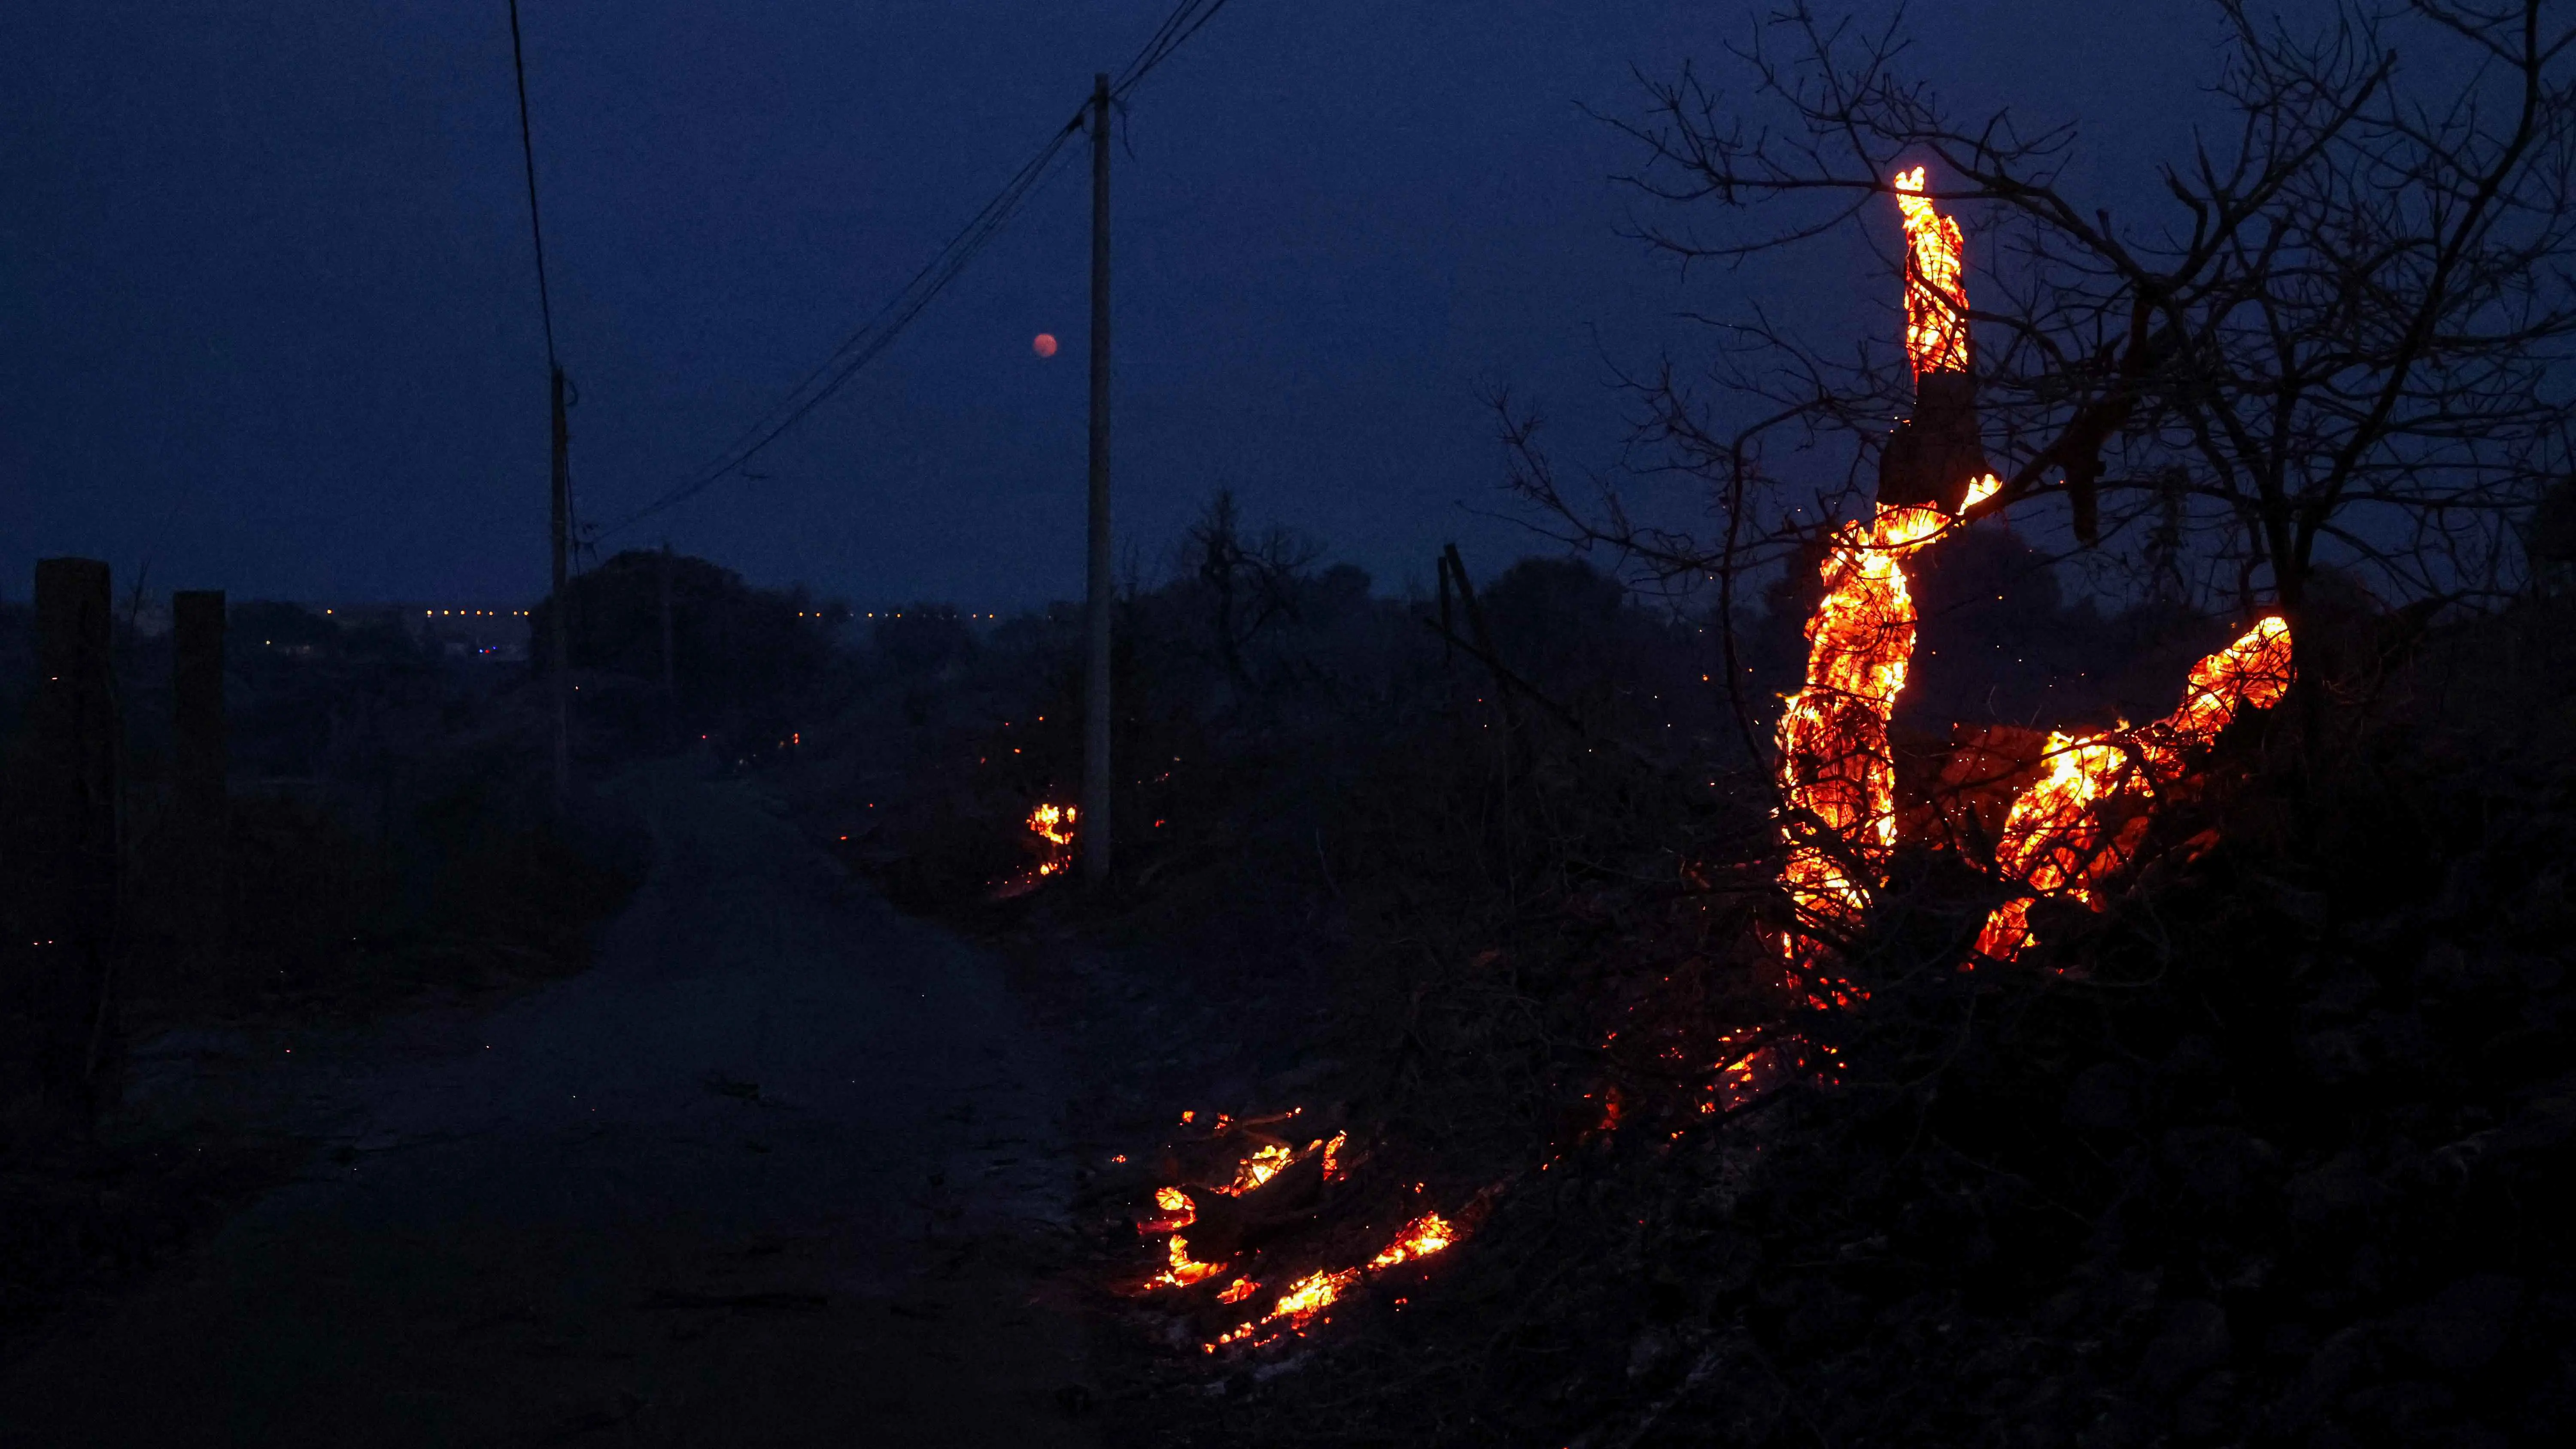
(2084, 820)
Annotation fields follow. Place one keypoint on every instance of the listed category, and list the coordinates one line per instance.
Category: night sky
(268, 317)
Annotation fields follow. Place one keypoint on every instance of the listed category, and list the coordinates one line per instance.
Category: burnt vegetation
(2273, 1146)
(1480, 881)
(2136, 1186)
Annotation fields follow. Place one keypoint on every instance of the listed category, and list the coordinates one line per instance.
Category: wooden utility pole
(200, 760)
(562, 601)
(69, 871)
(1094, 830)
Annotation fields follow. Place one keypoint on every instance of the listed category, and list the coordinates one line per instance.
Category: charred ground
(2268, 1151)
(2274, 1149)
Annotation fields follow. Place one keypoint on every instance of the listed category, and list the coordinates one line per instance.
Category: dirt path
(781, 1168)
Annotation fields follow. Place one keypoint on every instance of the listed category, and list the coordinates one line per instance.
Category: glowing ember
(1299, 1306)
(1422, 1237)
(1261, 1166)
(1311, 1295)
(1053, 824)
(1936, 294)
(1053, 827)
(1179, 1211)
(1266, 1159)
(2060, 839)
(1183, 1271)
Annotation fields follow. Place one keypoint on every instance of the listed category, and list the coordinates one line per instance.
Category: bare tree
(1251, 580)
(2341, 344)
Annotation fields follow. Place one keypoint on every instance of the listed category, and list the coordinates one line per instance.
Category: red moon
(1043, 345)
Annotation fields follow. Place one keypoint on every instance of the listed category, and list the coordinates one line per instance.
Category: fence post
(200, 760)
(70, 865)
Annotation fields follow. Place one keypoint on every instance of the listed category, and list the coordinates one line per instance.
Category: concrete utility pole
(562, 603)
(1094, 828)
(562, 456)
(199, 763)
(68, 874)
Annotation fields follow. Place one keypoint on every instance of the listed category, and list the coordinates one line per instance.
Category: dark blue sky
(267, 314)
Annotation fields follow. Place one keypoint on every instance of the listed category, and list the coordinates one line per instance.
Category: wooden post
(562, 603)
(200, 760)
(69, 871)
(1094, 829)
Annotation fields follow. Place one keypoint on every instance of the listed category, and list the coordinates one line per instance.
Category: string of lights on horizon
(405, 609)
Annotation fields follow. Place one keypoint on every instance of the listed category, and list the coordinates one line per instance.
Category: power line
(1174, 32)
(528, 154)
(879, 332)
(872, 338)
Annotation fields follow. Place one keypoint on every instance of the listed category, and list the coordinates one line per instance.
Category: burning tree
(2336, 345)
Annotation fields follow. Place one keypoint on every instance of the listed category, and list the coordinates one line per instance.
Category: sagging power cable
(874, 336)
(528, 155)
(871, 338)
(1174, 32)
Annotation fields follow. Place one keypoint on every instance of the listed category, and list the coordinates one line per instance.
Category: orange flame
(2057, 840)
(1936, 291)
(1309, 1296)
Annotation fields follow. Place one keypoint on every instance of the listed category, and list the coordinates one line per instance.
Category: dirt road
(781, 1168)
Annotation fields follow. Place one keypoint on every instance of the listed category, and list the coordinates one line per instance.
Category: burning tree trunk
(1935, 457)
(1837, 778)
(2088, 814)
